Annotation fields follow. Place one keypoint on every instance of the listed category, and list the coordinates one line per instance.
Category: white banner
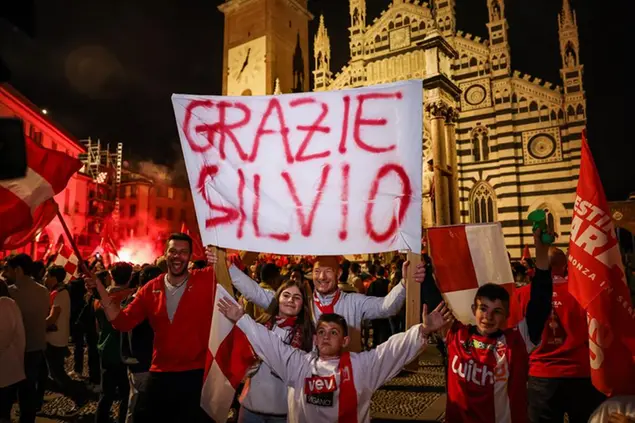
(312, 173)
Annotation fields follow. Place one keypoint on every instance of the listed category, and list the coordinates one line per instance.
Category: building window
(159, 213)
(480, 144)
(183, 215)
(482, 203)
(133, 210)
(133, 191)
(171, 193)
(184, 195)
(169, 213)
(160, 192)
(127, 193)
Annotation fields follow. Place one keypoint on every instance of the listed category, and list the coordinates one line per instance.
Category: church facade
(504, 143)
(517, 138)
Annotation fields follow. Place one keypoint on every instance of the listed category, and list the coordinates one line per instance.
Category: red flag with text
(598, 282)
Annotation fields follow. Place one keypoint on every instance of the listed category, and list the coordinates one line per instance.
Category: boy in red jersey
(559, 369)
(487, 375)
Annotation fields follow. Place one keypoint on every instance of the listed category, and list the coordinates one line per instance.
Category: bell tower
(498, 41)
(265, 40)
(572, 69)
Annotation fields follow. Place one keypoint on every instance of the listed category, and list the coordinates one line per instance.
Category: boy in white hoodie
(333, 385)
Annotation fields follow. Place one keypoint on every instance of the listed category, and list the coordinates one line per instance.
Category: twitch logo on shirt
(320, 390)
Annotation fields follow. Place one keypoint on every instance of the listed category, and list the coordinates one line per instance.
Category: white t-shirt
(59, 338)
(173, 296)
(297, 369)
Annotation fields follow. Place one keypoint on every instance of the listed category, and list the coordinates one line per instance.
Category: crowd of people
(325, 334)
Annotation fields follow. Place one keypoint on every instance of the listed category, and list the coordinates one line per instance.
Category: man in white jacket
(332, 385)
(328, 298)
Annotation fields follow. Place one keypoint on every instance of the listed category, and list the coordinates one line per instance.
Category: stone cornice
(232, 6)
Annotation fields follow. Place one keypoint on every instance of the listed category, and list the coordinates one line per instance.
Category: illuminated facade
(73, 201)
(516, 138)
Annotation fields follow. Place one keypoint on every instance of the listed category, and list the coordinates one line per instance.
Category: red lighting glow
(138, 251)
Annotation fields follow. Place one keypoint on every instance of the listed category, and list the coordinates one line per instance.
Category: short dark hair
(179, 236)
(57, 272)
(37, 267)
(121, 273)
(102, 275)
(269, 272)
(23, 261)
(333, 318)
(380, 271)
(355, 267)
(493, 292)
(148, 273)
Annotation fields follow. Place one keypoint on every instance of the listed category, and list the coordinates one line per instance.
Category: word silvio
(308, 132)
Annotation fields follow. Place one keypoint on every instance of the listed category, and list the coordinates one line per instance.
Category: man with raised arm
(328, 298)
(331, 384)
(178, 305)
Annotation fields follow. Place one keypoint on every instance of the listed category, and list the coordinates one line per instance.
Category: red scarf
(347, 407)
(330, 308)
(296, 330)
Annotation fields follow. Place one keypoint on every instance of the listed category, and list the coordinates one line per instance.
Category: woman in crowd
(12, 345)
(264, 397)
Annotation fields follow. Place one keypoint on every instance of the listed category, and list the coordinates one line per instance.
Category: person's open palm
(439, 317)
(230, 309)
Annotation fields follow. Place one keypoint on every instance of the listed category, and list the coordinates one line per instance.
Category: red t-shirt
(487, 376)
(564, 348)
(179, 345)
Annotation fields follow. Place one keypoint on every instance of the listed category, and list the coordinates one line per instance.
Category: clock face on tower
(246, 73)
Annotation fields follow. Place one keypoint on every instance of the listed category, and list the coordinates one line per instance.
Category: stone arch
(482, 201)
(570, 111)
(553, 117)
(553, 207)
(580, 111)
(398, 20)
(464, 60)
(498, 98)
(560, 114)
(391, 25)
(473, 62)
(406, 21)
(533, 106)
(514, 99)
(377, 39)
(570, 56)
(422, 26)
(506, 96)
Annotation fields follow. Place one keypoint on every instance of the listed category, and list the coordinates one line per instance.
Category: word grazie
(313, 173)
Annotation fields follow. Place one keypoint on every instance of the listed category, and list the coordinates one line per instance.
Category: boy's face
(330, 339)
(491, 316)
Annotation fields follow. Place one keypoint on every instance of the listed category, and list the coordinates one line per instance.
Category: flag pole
(69, 236)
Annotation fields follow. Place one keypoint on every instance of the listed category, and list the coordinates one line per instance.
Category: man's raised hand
(212, 259)
(230, 309)
(440, 317)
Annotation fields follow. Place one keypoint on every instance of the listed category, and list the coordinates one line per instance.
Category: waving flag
(26, 204)
(598, 282)
(69, 261)
(464, 258)
(229, 357)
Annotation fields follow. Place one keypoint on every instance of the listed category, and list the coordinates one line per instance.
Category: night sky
(107, 68)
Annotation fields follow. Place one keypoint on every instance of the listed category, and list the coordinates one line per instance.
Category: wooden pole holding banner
(221, 269)
(413, 300)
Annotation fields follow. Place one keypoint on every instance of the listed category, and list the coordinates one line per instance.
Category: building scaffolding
(104, 168)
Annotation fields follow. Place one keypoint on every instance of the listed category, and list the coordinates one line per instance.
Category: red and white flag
(198, 252)
(69, 261)
(26, 204)
(598, 282)
(466, 257)
(229, 357)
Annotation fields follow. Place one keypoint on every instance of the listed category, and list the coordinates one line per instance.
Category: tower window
(482, 203)
(571, 111)
(480, 144)
(580, 111)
